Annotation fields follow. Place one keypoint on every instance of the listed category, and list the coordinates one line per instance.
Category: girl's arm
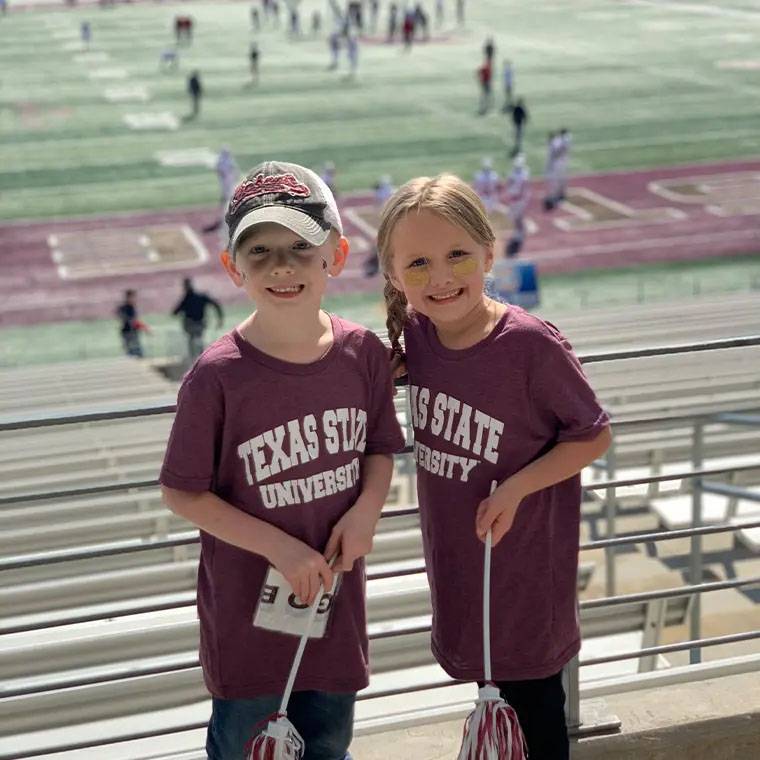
(303, 567)
(560, 463)
(352, 535)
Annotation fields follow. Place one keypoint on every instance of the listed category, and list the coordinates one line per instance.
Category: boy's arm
(302, 567)
(352, 535)
(560, 463)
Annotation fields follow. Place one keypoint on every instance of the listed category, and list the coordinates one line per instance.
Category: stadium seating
(114, 658)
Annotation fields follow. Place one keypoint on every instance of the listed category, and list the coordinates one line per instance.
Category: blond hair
(449, 197)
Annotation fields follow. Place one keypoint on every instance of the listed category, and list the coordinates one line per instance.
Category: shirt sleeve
(195, 439)
(561, 392)
(384, 435)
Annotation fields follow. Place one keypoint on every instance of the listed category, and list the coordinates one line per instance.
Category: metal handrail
(712, 641)
(64, 418)
(191, 538)
(138, 484)
(132, 671)
(748, 416)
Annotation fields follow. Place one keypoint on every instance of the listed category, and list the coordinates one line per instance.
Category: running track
(31, 290)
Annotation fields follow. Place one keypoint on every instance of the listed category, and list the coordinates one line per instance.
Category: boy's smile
(274, 265)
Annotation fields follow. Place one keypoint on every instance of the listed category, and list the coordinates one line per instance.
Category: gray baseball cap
(286, 194)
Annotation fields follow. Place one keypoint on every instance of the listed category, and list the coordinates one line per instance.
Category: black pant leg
(540, 708)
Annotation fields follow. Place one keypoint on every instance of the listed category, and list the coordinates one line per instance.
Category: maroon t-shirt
(481, 414)
(284, 442)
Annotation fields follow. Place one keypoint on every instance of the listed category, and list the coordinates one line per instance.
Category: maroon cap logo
(271, 184)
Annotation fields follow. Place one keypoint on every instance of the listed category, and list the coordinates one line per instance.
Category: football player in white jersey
(487, 183)
(517, 197)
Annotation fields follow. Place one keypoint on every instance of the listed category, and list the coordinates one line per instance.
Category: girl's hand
(351, 538)
(303, 568)
(497, 512)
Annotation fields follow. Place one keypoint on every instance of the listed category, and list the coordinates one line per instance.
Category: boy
(281, 453)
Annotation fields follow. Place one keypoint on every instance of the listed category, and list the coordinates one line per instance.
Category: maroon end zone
(78, 268)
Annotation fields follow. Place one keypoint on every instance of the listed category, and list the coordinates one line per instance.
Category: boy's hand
(302, 567)
(351, 538)
(497, 512)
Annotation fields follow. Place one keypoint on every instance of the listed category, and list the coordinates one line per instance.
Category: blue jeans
(325, 722)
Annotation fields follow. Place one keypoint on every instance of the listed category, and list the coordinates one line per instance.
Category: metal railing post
(695, 560)
(571, 676)
(610, 507)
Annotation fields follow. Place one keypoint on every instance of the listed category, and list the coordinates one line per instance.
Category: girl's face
(438, 266)
(277, 268)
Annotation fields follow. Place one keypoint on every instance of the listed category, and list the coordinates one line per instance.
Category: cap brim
(296, 221)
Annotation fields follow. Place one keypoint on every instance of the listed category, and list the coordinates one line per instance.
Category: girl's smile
(439, 267)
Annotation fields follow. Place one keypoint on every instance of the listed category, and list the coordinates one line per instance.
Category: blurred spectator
(195, 90)
(169, 59)
(254, 58)
(328, 177)
(508, 78)
(193, 307)
(85, 32)
(131, 326)
(487, 184)
(489, 49)
(183, 29)
(228, 173)
(519, 119)
(485, 75)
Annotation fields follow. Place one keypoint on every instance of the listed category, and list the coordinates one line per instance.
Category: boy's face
(279, 269)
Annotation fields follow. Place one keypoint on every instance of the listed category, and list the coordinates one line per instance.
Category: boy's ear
(340, 254)
(229, 266)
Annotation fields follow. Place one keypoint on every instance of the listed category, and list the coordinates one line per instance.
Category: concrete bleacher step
(104, 437)
(100, 456)
(27, 514)
(144, 525)
(676, 512)
(175, 700)
(83, 478)
(688, 404)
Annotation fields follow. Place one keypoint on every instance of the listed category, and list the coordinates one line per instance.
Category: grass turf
(639, 84)
(67, 341)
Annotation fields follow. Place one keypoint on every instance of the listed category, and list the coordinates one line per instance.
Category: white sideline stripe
(196, 243)
(704, 10)
(151, 120)
(560, 253)
(739, 65)
(114, 73)
(92, 58)
(203, 156)
(127, 93)
(674, 139)
(656, 215)
(740, 183)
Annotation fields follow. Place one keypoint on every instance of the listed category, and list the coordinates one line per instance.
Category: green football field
(560, 295)
(640, 84)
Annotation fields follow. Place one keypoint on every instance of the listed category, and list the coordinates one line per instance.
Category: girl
(496, 396)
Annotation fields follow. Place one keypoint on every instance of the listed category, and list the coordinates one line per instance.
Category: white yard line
(703, 10)
(638, 244)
